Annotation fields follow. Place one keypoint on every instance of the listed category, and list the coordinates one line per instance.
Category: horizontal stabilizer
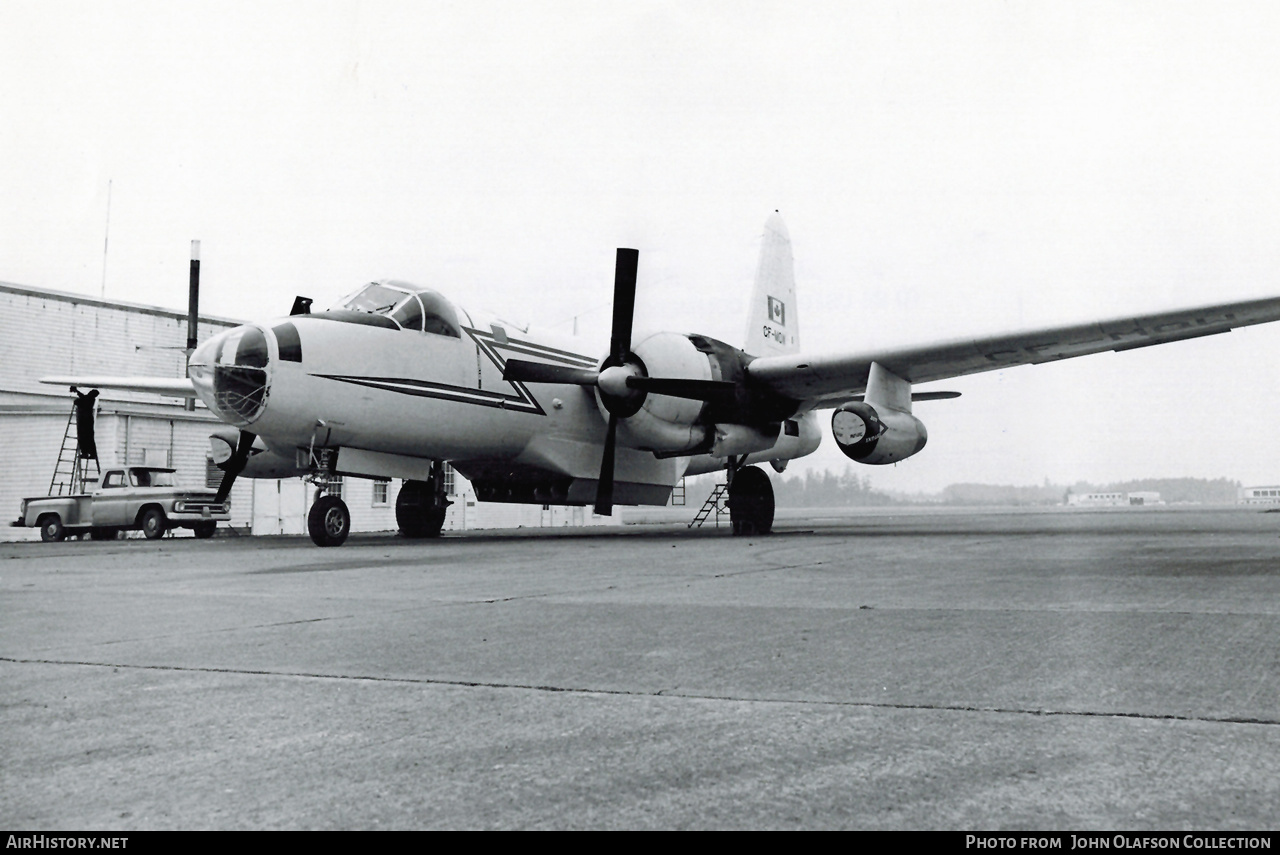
(174, 387)
(918, 396)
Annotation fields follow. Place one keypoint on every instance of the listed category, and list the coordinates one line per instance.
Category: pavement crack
(666, 693)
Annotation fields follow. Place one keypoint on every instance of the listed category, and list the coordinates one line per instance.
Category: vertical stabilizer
(772, 320)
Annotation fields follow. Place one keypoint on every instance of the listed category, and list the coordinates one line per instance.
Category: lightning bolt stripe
(490, 346)
(522, 401)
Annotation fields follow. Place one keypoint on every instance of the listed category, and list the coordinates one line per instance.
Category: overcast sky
(943, 168)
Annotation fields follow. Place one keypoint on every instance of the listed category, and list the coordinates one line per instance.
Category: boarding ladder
(677, 495)
(713, 503)
(72, 466)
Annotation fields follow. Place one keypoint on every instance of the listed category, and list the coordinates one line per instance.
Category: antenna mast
(106, 237)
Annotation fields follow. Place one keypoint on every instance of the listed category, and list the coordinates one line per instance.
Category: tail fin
(772, 320)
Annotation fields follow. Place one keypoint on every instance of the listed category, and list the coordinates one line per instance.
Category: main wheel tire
(415, 515)
(751, 502)
(329, 521)
(104, 533)
(204, 529)
(153, 523)
(51, 530)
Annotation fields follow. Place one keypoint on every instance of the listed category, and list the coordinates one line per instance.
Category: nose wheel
(329, 521)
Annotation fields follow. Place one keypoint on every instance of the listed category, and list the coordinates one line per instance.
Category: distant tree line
(1172, 491)
(827, 489)
(823, 489)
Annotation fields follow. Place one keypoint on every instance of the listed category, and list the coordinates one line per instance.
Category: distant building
(1113, 500)
(45, 332)
(1096, 499)
(1259, 496)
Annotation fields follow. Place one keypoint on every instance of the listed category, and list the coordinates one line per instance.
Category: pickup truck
(133, 497)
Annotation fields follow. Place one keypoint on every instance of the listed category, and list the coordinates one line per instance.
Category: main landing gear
(422, 505)
(750, 500)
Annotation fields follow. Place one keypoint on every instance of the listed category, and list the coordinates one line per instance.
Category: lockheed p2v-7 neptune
(397, 381)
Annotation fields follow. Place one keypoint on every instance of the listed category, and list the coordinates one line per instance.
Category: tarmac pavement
(1112, 669)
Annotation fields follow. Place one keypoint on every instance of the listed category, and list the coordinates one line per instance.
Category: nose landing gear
(329, 521)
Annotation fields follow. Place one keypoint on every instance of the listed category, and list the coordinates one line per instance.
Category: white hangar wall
(44, 332)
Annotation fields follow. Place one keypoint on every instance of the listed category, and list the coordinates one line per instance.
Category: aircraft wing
(177, 387)
(827, 380)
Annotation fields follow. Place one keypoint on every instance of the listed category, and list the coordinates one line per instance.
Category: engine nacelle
(873, 436)
(664, 424)
(667, 425)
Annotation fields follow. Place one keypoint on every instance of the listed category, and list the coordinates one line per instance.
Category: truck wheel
(154, 523)
(329, 521)
(51, 530)
(204, 529)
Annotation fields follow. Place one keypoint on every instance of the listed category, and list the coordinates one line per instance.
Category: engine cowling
(666, 424)
(877, 436)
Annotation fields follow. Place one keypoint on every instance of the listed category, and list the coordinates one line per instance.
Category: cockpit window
(409, 314)
(375, 297)
(438, 315)
(417, 309)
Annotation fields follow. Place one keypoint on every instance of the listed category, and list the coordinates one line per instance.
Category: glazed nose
(231, 374)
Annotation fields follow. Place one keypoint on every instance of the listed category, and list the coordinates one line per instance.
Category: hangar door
(280, 507)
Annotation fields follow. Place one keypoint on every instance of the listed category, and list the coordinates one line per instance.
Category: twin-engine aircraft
(396, 381)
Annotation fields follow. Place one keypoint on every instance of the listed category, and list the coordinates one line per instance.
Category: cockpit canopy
(411, 307)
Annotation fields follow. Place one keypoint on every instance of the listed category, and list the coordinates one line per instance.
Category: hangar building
(1269, 495)
(44, 332)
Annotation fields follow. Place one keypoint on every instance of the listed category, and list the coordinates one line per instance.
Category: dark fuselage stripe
(457, 394)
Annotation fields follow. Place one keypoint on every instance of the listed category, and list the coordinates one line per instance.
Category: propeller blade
(235, 465)
(697, 390)
(624, 302)
(542, 372)
(604, 488)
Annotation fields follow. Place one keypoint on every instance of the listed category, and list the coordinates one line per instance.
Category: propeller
(235, 465)
(621, 381)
